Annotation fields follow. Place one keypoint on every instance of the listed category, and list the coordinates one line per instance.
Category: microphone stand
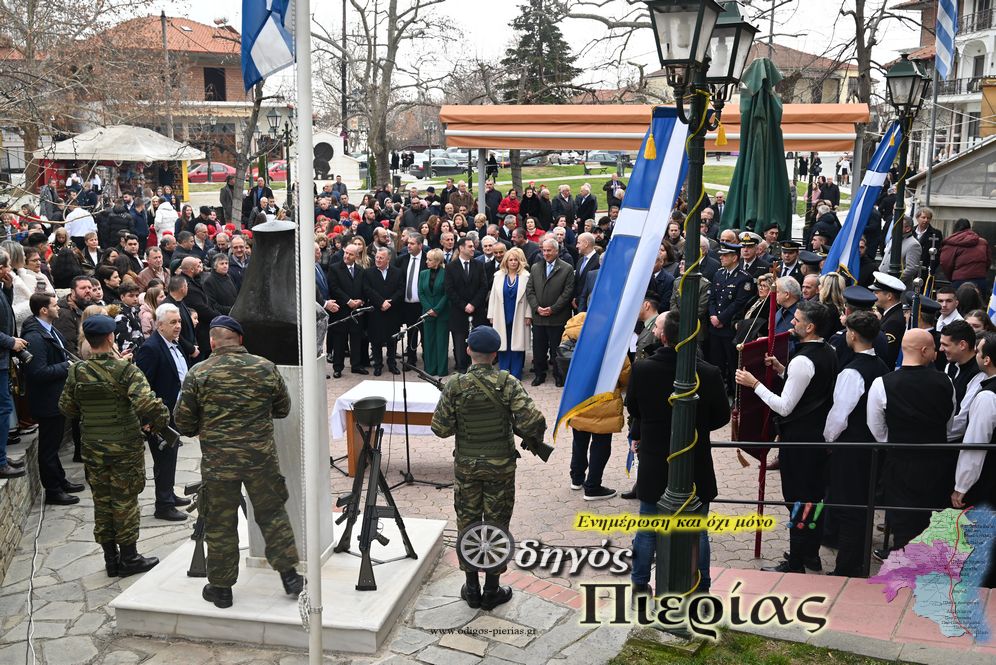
(407, 478)
(355, 317)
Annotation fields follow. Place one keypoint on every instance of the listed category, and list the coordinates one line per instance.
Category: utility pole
(166, 81)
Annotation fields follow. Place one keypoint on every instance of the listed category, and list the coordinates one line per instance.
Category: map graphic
(944, 567)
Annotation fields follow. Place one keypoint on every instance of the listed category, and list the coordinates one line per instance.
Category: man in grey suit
(549, 293)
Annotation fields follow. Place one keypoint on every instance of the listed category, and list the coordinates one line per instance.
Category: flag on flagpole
(944, 43)
(992, 305)
(267, 38)
(627, 265)
(844, 255)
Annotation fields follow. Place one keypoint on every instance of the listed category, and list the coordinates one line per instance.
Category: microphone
(363, 310)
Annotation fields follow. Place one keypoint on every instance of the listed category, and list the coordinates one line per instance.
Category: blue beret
(227, 322)
(99, 324)
(484, 339)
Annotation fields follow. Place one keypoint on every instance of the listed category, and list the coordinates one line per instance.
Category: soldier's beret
(823, 233)
(484, 339)
(859, 296)
(227, 322)
(99, 324)
(728, 248)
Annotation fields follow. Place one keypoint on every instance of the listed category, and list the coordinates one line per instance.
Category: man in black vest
(914, 404)
(802, 409)
(858, 299)
(847, 421)
(975, 476)
(384, 288)
(345, 280)
(889, 292)
(465, 283)
(958, 348)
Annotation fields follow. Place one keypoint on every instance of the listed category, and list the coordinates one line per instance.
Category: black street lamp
(703, 46)
(906, 85)
(287, 147)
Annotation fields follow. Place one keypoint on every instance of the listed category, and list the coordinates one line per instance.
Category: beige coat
(496, 312)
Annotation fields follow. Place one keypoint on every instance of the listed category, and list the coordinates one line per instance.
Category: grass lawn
(740, 649)
(216, 186)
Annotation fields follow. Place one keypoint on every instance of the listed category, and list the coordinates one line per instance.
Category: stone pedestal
(287, 434)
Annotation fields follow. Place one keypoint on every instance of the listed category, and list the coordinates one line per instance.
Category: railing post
(870, 513)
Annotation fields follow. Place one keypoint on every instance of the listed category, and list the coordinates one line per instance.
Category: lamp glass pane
(676, 33)
(710, 15)
(900, 88)
(721, 52)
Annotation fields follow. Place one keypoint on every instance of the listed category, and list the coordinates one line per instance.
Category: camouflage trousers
(484, 490)
(219, 505)
(116, 483)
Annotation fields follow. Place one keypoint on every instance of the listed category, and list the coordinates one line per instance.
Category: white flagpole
(309, 345)
(931, 137)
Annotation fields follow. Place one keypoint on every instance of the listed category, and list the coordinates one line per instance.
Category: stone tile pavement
(73, 623)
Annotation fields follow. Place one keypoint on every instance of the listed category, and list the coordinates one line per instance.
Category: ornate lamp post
(703, 46)
(906, 84)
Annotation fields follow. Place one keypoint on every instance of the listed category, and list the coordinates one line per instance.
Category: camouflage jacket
(114, 399)
(230, 401)
(462, 391)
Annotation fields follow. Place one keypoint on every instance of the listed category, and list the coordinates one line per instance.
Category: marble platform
(165, 602)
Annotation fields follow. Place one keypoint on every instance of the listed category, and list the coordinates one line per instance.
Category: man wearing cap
(481, 408)
(857, 299)
(732, 290)
(115, 403)
(752, 262)
(790, 260)
(812, 262)
(888, 293)
(230, 401)
(821, 241)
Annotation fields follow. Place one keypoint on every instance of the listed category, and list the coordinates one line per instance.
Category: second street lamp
(906, 86)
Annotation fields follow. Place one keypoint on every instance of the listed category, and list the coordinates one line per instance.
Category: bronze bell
(267, 302)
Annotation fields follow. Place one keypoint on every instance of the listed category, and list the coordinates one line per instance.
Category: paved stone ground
(73, 623)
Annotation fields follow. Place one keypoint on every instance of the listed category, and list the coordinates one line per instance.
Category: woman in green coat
(432, 295)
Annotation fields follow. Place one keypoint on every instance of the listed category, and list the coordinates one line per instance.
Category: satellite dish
(221, 20)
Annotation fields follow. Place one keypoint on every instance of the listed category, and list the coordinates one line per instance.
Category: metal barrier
(870, 507)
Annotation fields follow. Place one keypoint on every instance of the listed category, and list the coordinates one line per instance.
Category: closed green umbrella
(759, 193)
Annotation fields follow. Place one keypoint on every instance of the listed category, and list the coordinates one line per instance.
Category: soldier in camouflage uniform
(230, 401)
(113, 399)
(480, 408)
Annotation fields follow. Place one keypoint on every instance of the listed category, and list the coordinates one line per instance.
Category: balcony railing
(981, 20)
(965, 86)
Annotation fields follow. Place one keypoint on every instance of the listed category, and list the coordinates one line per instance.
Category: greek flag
(267, 38)
(627, 266)
(992, 305)
(844, 255)
(944, 43)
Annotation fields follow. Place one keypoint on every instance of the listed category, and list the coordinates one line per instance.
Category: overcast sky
(480, 22)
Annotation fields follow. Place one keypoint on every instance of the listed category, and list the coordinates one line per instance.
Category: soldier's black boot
(494, 595)
(471, 591)
(221, 596)
(133, 563)
(293, 582)
(112, 560)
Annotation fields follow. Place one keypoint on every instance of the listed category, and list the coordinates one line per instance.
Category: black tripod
(407, 478)
(369, 414)
(353, 316)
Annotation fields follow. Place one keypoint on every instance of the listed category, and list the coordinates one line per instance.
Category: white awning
(119, 143)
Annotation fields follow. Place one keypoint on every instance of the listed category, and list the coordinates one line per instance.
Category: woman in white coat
(165, 219)
(509, 312)
(25, 282)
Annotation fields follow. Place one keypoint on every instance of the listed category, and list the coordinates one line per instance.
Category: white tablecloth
(422, 398)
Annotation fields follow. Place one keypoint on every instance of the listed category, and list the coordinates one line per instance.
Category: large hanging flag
(627, 266)
(844, 256)
(992, 305)
(944, 43)
(267, 38)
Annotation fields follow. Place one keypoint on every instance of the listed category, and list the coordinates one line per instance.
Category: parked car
(277, 170)
(219, 172)
(608, 157)
(440, 166)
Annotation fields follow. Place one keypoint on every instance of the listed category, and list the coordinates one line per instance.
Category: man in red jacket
(965, 256)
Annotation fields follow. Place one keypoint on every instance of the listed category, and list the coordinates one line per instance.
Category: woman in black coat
(219, 287)
(529, 205)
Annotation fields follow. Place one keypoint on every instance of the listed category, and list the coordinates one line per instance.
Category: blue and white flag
(627, 266)
(944, 42)
(267, 38)
(844, 254)
(992, 305)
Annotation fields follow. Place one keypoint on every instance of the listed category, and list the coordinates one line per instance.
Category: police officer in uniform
(791, 266)
(481, 408)
(732, 290)
(754, 263)
(115, 402)
(230, 401)
(889, 292)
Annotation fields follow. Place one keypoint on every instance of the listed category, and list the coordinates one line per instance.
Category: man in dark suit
(411, 264)
(528, 247)
(46, 375)
(163, 364)
(661, 282)
(506, 229)
(549, 292)
(650, 383)
(384, 289)
(197, 300)
(718, 206)
(563, 204)
(345, 280)
(588, 261)
(585, 204)
(612, 189)
(466, 289)
(260, 191)
(188, 336)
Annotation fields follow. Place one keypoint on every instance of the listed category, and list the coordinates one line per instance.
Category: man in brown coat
(549, 292)
(462, 197)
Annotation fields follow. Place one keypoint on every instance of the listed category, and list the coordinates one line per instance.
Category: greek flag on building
(627, 266)
(844, 256)
(267, 38)
(944, 43)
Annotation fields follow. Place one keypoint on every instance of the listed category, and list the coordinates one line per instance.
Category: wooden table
(354, 443)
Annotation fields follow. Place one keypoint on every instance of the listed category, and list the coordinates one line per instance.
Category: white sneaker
(576, 487)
